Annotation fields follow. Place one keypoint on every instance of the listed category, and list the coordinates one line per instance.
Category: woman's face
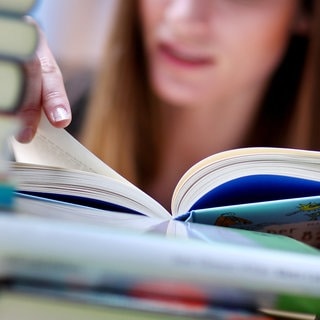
(201, 52)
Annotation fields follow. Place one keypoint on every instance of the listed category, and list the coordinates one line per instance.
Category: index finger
(53, 96)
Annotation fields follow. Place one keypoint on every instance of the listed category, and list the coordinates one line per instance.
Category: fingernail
(60, 114)
(26, 135)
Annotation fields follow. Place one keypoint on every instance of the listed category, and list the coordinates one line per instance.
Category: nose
(189, 17)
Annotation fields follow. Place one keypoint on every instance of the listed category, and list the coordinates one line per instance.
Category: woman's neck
(191, 134)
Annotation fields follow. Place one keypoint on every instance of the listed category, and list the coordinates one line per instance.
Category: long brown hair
(122, 124)
(290, 111)
(305, 129)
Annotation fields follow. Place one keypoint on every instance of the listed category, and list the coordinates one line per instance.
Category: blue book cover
(296, 217)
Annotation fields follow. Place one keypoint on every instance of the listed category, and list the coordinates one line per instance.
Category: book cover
(51, 304)
(12, 79)
(17, 7)
(18, 37)
(297, 217)
(234, 268)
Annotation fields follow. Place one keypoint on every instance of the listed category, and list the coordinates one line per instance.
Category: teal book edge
(6, 195)
(258, 215)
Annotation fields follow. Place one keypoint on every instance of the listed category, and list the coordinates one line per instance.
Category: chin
(177, 98)
(177, 95)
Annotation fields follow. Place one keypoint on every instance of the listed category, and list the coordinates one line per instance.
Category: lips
(183, 57)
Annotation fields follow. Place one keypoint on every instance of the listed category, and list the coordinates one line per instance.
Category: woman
(183, 79)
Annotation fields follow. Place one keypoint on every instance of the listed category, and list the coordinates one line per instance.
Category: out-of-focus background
(76, 31)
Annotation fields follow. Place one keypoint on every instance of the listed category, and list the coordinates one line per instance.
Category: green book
(18, 38)
(12, 79)
(18, 43)
(17, 7)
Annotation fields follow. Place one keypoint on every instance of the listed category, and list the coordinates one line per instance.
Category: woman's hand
(44, 91)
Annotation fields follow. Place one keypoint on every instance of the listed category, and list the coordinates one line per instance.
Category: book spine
(128, 306)
(18, 38)
(61, 252)
(18, 43)
(17, 7)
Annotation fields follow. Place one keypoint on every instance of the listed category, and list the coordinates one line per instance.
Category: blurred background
(76, 31)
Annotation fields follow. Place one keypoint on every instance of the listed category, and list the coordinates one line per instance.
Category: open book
(262, 189)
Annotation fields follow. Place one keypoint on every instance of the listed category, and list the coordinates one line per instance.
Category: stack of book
(18, 43)
(81, 236)
(82, 242)
(54, 268)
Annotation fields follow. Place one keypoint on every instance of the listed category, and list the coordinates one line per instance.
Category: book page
(57, 148)
(221, 168)
(75, 172)
(28, 205)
